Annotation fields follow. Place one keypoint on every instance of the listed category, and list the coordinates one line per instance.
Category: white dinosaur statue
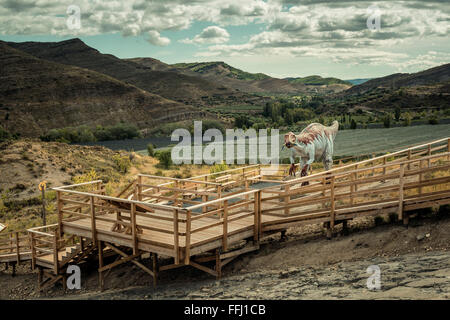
(315, 142)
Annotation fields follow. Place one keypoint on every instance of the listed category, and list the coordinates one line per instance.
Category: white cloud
(212, 34)
(155, 38)
(314, 28)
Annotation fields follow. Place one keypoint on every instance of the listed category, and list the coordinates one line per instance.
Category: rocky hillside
(25, 163)
(259, 82)
(39, 95)
(440, 74)
(156, 79)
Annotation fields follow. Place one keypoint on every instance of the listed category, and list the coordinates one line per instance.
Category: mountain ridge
(39, 95)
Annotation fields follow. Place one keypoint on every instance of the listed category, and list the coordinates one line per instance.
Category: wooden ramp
(227, 214)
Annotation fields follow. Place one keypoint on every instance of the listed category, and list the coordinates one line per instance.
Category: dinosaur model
(314, 143)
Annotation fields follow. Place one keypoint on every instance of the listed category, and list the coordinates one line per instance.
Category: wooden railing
(180, 192)
(229, 209)
(123, 213)
(44, 242)
(383, 188)
(429, 148)
(14, 243)
(391, 183)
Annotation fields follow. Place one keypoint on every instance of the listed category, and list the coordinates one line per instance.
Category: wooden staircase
(52, 255)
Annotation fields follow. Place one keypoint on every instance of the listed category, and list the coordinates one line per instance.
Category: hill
(39, 95)
(154, 77)
(358, 81)
(431, 76)
(220, 68)
(317, 81)
(259, 82)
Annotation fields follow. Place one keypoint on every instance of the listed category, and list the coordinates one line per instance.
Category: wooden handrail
(78, 184)
(221, 200)
(328, 174)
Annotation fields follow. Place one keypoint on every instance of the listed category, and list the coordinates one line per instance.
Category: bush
(123, 163)
(165, 158)
(150, 150)
(79, 134)
(407, 120)
(87, 177)
(378, 220)
(4, 135)
(218, 168)
(387, 121)
(433, 120)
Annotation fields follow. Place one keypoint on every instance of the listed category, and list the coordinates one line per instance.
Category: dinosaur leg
(304, 173)
(292, 170)
(327, 163)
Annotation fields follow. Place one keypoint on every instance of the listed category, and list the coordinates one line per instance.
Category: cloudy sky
(278, 37)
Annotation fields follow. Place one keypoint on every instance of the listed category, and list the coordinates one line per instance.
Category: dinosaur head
(289, 140)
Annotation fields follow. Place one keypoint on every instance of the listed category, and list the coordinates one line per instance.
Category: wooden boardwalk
(217, 217)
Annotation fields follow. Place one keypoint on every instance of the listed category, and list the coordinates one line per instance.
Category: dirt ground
(414, 263)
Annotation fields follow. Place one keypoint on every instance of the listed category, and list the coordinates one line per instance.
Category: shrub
(218, 168)
(4, 135)
(387, 121)
(122, 163)
(87, 177)
(165, 158)
(407, 120)
(378, 220)
(398, 113)
(150, 150)
(86, 134)
(433, 120)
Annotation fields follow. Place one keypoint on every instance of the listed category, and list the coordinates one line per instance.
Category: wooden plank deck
(12, 257)
(83, 227)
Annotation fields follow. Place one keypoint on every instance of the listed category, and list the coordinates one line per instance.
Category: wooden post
(155, 268)
(420, 175)
(17, 248)
(40, 276)
(247, 197)
(259, 214)
(204, 200)
(333, 205)
(134, 228)
(218, 265)
(188, 238)
(400, 192)
(219, 195)
(55, 252)
(352, 187)
(60, 213)
(225, 226)
(100, 265)
(409, 158)
(356, 178)
(176, 237)
(384, 163)
(33, 251)
(286, 199)
(93, 227)
(44, 214)
(256, 217)
(429, 154)
(139, 187)
(448, 148)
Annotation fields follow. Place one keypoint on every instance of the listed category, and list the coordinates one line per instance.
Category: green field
(363, 141)
(367, 141)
